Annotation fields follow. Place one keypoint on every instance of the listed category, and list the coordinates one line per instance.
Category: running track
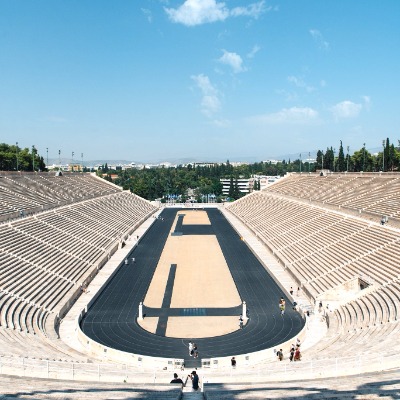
(111, 320)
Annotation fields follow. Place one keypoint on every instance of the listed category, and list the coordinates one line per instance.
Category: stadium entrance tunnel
(350, 290)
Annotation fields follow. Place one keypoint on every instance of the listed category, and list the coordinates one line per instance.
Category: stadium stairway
(188, 394)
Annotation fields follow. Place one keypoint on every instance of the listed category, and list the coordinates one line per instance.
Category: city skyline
(205, 80)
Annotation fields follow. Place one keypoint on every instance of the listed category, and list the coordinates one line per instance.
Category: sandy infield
(202, 279)
(195, 217)
(201, 327)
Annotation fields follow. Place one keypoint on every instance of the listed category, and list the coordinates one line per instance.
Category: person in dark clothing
(195, 380)
(177, 380)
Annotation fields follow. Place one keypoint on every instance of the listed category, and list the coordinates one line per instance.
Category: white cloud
(210, 103)
(197, 12)
(221, 123)
(256, 48)
(319, 39)
(253, 10)
(346, 109)
(289, 96)
(147, 14)
(233, 60)
(367, 102)
(299, 82)
(293, 115)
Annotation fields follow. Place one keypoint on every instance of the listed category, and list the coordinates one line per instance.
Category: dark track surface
(112, 318)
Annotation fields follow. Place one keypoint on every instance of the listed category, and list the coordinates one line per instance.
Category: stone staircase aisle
(187, 394)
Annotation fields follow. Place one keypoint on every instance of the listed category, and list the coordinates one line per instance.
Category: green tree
(341, 162)
(329, 159)
(319, 160)
(231, 191)
(12, 155)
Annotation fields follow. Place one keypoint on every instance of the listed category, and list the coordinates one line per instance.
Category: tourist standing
(195, 380)
(190, 348)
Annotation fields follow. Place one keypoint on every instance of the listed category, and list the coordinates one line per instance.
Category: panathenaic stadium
(102, 293)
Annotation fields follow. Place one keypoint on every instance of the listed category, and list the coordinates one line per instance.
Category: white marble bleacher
(350, 247)
(344, 189)
(16, 344)
(375, 193)
(37, 185)
(322, 248)
(58, 220)
(6, 209)
(388, 305)
(41, 389)
(372, 193)
(387, 203)
(14, 200)
(353, 191)
(87, 185)
(78, 246)
(76, 185)
(45, 255)
(44, 259)
(34, 192)
(19, 185)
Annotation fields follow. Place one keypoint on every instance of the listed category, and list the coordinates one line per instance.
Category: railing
(272, 371)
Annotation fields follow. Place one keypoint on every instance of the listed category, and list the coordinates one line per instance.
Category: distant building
(273, 162)
(246, 186)
(58, 167)
(243, 185)
(75, 167)
(264, 180)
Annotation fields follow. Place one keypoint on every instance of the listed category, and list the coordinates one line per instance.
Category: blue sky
(154, 80)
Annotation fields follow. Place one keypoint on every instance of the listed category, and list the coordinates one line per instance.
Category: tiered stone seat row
(321, 248)
(45, 258)
(57, 389)
(374, 309)
(29, 193)
(372, 193)
(324, 248)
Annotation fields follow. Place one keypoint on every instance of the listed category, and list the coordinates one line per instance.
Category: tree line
(15, 158)
(155, 183)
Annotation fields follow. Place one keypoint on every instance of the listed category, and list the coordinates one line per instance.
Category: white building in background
(243, 185)
(246, 185)
(264, 180)
(58, 167)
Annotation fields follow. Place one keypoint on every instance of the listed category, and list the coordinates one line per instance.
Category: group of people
(194, 378)
(282, 305)
(193, 352)
(295, 354)
(291, 291)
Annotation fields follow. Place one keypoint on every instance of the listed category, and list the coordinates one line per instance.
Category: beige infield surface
(202, 279)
